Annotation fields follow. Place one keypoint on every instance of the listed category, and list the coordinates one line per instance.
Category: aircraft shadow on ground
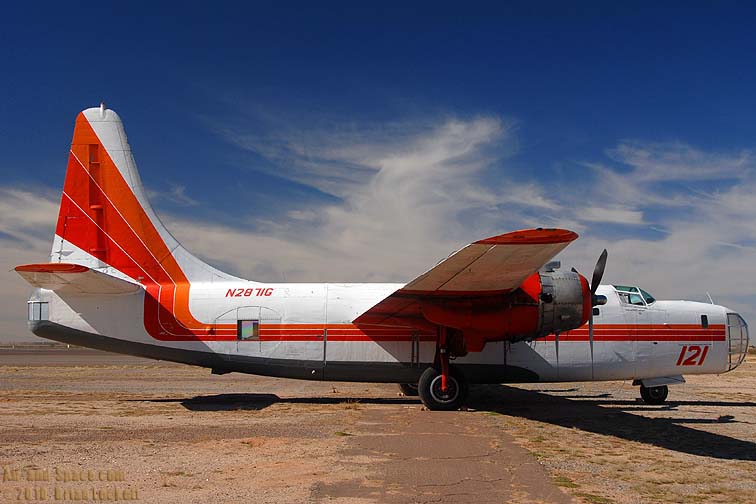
(596, 416)
(228, 402)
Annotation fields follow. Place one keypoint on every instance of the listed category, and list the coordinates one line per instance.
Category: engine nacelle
(564, 302)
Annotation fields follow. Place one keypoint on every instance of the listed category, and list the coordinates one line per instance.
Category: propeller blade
(598, 271)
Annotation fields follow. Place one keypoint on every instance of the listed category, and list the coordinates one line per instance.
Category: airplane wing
(496, 265)
(74, 279)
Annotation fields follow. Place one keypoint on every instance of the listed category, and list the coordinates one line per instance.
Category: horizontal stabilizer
(74, 279)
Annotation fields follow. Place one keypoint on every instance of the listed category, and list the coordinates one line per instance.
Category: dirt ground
(84, 421)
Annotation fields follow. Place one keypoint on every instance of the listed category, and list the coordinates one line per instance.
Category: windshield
(648, 297)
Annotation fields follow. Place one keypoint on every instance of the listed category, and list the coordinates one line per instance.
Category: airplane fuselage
(305, 331)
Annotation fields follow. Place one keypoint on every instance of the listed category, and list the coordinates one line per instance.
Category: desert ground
(80, 423)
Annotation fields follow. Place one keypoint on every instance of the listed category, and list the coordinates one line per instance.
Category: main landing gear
(442, 387)
(654, 395)
(437, 397)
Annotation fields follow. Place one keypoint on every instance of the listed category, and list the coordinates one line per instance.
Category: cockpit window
(634, 295)
(648, 297)
(635, 299)
(631, 298)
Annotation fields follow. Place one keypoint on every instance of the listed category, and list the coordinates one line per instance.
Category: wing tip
(537, 236)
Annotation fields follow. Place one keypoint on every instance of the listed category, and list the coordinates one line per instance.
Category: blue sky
(348, 142)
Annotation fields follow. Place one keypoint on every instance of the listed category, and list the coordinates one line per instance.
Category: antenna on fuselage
(709, 296)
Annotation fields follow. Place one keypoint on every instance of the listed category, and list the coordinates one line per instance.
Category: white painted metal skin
(563, 357)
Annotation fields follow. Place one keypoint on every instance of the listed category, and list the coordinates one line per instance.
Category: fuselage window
(704, 321)
(248, 330)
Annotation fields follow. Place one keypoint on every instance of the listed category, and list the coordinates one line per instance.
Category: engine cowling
(564, 302)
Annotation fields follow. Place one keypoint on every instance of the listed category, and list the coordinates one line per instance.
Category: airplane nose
(737, 339)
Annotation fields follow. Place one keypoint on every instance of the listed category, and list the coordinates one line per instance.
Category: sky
(342, 141)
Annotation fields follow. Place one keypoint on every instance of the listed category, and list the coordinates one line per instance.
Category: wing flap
(74, 279)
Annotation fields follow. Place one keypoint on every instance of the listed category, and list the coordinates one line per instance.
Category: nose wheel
(654, 395)
(435, 396)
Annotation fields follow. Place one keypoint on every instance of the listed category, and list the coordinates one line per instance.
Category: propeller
(598, 273)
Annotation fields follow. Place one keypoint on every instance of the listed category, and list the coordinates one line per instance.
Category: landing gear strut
(442, 387)
(654, 395)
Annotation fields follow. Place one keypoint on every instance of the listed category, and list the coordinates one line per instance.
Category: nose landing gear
(654, 395)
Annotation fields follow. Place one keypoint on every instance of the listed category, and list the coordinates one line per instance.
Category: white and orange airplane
(495, 311)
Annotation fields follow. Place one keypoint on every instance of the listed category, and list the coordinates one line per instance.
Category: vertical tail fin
(105, 221)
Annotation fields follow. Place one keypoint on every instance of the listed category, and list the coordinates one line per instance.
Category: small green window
(248, 330)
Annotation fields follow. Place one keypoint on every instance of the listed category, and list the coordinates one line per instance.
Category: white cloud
(175, 195)
(616, 215)
(680, 161)
(401, 215)
(705, 241)
(27, 222)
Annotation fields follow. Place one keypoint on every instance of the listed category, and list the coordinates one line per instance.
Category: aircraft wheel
(429, 389)
(654, 395)
(408, 389)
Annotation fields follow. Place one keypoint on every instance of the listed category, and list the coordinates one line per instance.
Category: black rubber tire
(408, 389)
(429, 390)
(654, 395)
